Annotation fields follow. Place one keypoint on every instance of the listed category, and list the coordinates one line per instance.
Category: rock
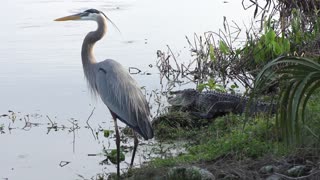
(189, 173)
(146, 173)
(174, 173)
(274, 177)
(268, 169)
(231, 177)
(297, 171)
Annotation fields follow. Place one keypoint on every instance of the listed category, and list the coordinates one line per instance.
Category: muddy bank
(223, 148)
(267, 167)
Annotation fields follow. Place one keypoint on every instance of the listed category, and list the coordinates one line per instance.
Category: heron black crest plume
(100, 12)
(111, 22)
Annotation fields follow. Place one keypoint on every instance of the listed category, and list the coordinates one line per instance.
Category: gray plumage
(123, 98)
(117, 89)
(109, 80)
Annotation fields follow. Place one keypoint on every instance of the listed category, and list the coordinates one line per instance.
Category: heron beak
(68, 18)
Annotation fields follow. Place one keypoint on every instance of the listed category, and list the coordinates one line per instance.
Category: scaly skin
(211, 104)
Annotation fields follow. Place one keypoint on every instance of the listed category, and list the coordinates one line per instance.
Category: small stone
(296, 171)
(274, 177)
(230, 177)
(268, 169)
(189, 173)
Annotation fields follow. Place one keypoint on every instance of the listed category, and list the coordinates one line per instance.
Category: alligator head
(184, 98)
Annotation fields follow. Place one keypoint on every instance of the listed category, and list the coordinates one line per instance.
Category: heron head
(87, 15)
(90, 14)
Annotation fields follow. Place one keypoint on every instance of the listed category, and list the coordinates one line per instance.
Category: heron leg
(136, 142)
(117, 143)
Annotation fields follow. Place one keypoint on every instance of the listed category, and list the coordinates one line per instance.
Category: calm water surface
(41, 74)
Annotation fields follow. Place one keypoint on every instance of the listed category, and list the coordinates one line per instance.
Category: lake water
(41, 75)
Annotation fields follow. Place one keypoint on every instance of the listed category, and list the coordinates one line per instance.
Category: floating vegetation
(112, 155)
(106, 133)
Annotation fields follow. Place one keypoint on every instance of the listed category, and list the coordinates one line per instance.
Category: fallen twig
(296, 178)
(94, 136)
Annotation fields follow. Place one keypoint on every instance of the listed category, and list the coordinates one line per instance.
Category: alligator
(211, 104)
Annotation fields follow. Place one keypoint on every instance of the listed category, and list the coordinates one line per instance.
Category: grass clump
(252, 141)
(238, 139)
(227, 136)
(177, 125)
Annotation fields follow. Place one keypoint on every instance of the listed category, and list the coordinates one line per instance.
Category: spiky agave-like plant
(299, 78)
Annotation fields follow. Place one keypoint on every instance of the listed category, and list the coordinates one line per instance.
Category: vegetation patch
(227, 136)
(177, 125)
(230, 150)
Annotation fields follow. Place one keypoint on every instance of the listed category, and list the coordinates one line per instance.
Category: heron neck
(89, 41)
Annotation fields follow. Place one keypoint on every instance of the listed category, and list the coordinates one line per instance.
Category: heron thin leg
(118, 144)
(136, 142)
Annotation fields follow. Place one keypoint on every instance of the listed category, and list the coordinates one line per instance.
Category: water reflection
(15, 123)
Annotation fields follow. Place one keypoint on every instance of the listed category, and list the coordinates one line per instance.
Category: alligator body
(211, 104)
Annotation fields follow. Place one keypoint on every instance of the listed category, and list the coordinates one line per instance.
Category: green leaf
(276, 49)
(300, 76)
(112, 156)
(201, 87)
(224, 47)
(211, 53)
(270, 36)
(211, 84)
(238, 51)
(286, 45)
(106, 133)
(220, 88)
(234, 86)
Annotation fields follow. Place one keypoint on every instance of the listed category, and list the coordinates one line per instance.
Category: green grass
(177, 125)
(227, 136)
(233, 137)
(236, 137)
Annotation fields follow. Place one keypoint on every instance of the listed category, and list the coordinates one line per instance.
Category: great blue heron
(117, 89)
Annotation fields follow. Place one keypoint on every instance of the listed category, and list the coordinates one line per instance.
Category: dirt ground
(267, 167)
(295, 167)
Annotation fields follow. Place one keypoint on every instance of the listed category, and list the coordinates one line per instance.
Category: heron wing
(119, 91)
